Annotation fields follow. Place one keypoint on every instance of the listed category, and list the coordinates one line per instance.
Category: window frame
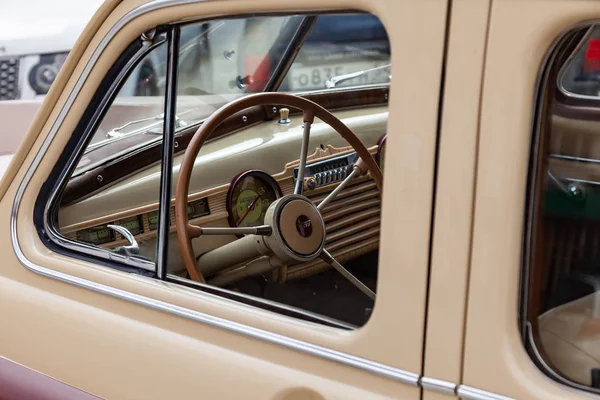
(548, 89)
(45, 215)
(47, 201)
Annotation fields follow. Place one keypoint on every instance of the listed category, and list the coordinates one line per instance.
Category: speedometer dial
(249, 196)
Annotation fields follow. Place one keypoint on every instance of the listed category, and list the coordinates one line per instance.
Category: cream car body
(450, 244)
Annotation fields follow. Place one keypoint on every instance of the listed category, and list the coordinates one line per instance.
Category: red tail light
(592, 56)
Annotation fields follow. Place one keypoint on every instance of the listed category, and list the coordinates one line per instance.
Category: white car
(35, 38)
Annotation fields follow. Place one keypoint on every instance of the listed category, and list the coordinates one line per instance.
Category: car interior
(274, 182)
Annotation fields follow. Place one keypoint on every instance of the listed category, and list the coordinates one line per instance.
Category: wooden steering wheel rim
(310, 110)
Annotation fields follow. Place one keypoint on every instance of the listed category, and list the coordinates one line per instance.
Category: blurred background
(35, 38)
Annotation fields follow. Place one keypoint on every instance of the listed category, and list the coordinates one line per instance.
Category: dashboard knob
(328, 177)
(338, 174)
(310, 183)
(284, 114)
(318, 179)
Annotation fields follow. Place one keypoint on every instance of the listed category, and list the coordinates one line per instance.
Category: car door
(122, 333)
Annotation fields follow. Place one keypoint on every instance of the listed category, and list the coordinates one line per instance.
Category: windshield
(221, 60)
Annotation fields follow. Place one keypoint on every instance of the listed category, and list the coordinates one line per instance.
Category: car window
(563, 263)
(257, 161)
(134, 118)
(339, 45)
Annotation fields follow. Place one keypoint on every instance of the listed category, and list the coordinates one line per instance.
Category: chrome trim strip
(438, 385)
(470, 393)
(573, 158)
(396, 374)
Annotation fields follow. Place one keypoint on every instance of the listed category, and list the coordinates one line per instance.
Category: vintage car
(254, 224)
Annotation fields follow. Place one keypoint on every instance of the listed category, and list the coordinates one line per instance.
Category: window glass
(249, 166)
(222, 60)
(581, 76)
(564, 283)
(91, 202)
(338, 45)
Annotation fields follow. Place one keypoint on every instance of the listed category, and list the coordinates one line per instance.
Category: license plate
(304, 77)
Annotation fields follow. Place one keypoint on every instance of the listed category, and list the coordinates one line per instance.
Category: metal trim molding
(438, 385)
(470, 393)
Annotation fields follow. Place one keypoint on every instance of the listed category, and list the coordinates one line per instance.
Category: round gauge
(249, 196)
(381, 152)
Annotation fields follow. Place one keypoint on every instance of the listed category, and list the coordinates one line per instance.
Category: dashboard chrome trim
(396, 374)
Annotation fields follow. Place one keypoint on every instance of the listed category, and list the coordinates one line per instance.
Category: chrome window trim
(396, 374)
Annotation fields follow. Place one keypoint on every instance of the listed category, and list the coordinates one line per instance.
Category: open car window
(259, 167)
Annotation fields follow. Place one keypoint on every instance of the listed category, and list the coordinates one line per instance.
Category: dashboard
(236, 178)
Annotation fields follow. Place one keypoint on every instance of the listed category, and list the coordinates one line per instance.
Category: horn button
(299, 230)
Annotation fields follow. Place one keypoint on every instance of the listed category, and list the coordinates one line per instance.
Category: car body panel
(139, 351)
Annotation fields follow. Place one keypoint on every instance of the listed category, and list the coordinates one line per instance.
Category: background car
(35, 38)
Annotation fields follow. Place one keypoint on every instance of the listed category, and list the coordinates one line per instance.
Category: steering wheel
(294, 229)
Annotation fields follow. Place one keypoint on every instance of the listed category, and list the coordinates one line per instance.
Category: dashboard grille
(351, 223)
(9, 78)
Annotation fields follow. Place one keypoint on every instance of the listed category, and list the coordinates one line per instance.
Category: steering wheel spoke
(328, 258)
(197, 231)
(308, 120)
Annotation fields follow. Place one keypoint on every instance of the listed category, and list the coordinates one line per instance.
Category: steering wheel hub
(298, 228)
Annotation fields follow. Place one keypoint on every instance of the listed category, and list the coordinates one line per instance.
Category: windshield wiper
(115, 134)
(333, 82)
